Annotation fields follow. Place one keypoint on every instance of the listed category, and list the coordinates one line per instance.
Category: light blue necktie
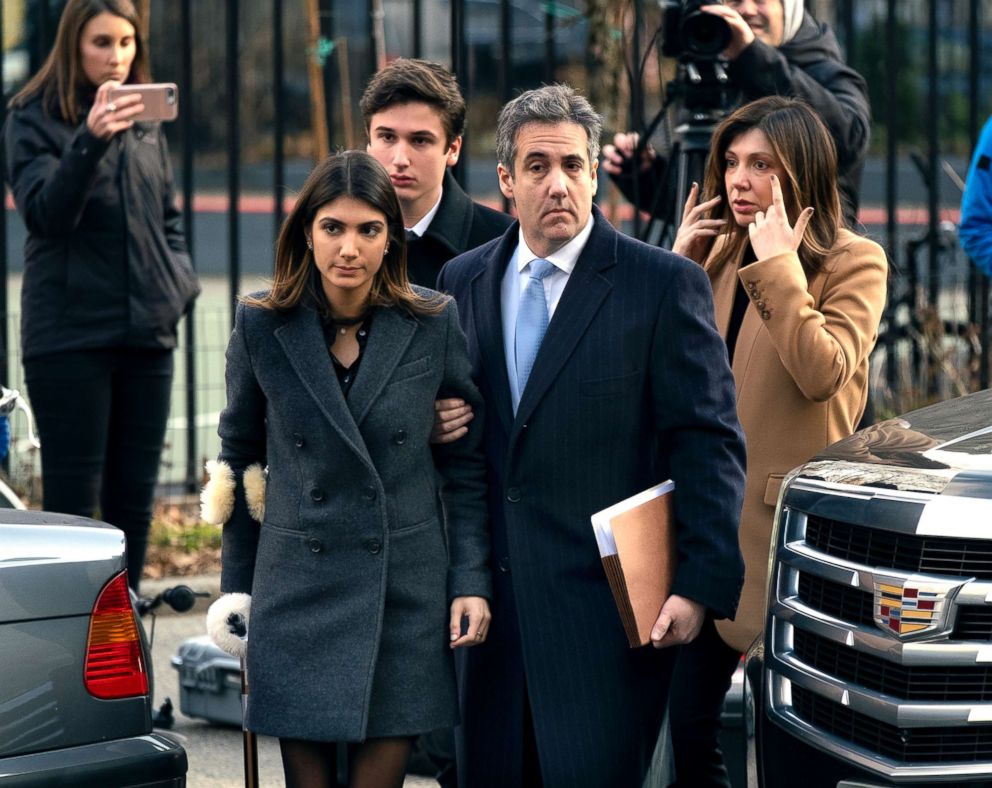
(532, 321)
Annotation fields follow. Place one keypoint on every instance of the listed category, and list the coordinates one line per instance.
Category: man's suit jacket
(352, 570)
(458, 225)
(631, 386)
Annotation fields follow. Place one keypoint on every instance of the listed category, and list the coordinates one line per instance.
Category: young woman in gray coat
(360, 576)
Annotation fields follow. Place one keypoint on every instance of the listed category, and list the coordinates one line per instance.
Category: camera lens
(170, 96)
(705, 35)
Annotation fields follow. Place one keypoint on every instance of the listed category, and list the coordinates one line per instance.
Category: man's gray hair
(548, 104)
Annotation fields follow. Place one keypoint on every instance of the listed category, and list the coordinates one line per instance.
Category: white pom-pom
(219, 627)
(217, 497)
(254, 480)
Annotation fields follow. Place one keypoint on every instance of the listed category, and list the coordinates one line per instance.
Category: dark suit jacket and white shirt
(630, 386)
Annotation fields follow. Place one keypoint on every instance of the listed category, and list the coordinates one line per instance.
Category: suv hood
(927, 450)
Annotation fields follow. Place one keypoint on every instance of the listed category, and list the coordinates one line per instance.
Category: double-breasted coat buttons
(374, 546)
(298, 440)
(315, 545)
(369, 494)
(317, 494)
(399, 437)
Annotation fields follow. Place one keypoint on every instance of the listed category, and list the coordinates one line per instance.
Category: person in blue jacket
(976, 204)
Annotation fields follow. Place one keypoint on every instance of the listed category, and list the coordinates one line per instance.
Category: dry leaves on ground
(180, 544)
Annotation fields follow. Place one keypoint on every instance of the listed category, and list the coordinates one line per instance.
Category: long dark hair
(806, 150)
(349, 174)
(60, 79)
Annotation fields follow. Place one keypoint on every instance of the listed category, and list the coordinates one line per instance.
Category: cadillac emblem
(914, 606)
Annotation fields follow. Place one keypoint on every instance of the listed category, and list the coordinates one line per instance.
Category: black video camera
(691, 34)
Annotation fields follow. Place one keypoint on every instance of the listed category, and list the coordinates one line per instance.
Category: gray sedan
(75, 705)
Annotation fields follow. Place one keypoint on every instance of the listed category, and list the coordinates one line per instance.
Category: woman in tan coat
(798, 298)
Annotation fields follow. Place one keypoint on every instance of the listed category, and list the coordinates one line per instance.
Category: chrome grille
(974, 622)
(907, 552)
(907, 708)
(951, 683)
(848, 604)
(910, 745)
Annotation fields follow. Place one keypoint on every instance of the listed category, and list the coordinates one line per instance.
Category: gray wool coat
(352, 569)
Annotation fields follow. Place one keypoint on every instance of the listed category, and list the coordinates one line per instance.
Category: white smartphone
(161, 99)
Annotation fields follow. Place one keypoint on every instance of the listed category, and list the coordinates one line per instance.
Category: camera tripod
(686, 164)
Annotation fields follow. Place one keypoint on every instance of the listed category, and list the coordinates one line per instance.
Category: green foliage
(189, 538)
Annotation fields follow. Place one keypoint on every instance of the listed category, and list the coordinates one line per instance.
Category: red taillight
(115, 665)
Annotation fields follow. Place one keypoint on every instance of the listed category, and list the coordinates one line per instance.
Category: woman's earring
(386, 250)
(309, 244)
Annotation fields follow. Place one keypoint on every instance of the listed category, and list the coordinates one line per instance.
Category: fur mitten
(227, 623)
(217, 496)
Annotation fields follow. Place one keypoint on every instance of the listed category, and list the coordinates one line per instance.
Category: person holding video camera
(107, 274)
(776, 48)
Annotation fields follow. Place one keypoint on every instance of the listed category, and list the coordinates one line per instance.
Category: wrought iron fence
(280, 84)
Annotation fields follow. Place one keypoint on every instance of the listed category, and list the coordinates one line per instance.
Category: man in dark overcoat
(603, 375)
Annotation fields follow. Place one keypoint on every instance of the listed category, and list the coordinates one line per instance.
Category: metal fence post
(279, 127)
(44, 18)
(933, 156)
(550, 56)
(891, 187)
(192, 450)
(636, 107)
(234, 153)
(418, 36)
(458, 66)
(846, 23)
(504, 78)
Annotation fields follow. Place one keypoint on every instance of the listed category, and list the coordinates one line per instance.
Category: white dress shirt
(421, 227)
(515, 281)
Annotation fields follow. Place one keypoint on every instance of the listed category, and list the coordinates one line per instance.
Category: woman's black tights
(375, 763)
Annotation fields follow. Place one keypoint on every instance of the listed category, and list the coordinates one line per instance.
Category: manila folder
(644, 534)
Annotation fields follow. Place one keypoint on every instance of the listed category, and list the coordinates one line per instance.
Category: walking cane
(236, 626)
(250, 743)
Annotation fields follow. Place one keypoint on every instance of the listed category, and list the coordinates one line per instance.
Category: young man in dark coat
(777, 48)
(415, 117)
(603, 374)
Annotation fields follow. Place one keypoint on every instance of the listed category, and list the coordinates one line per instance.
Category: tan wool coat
(801, 369)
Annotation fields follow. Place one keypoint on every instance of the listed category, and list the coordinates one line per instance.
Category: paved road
(214, 751)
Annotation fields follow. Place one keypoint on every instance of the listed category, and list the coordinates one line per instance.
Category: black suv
(875, 667)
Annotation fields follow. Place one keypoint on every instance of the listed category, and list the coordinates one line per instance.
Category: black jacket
(458, 225)
(807, 67)
(105, 261)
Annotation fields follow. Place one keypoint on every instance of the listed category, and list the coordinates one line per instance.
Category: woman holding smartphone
(798, 298)
(107, 274)
(357, 573)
